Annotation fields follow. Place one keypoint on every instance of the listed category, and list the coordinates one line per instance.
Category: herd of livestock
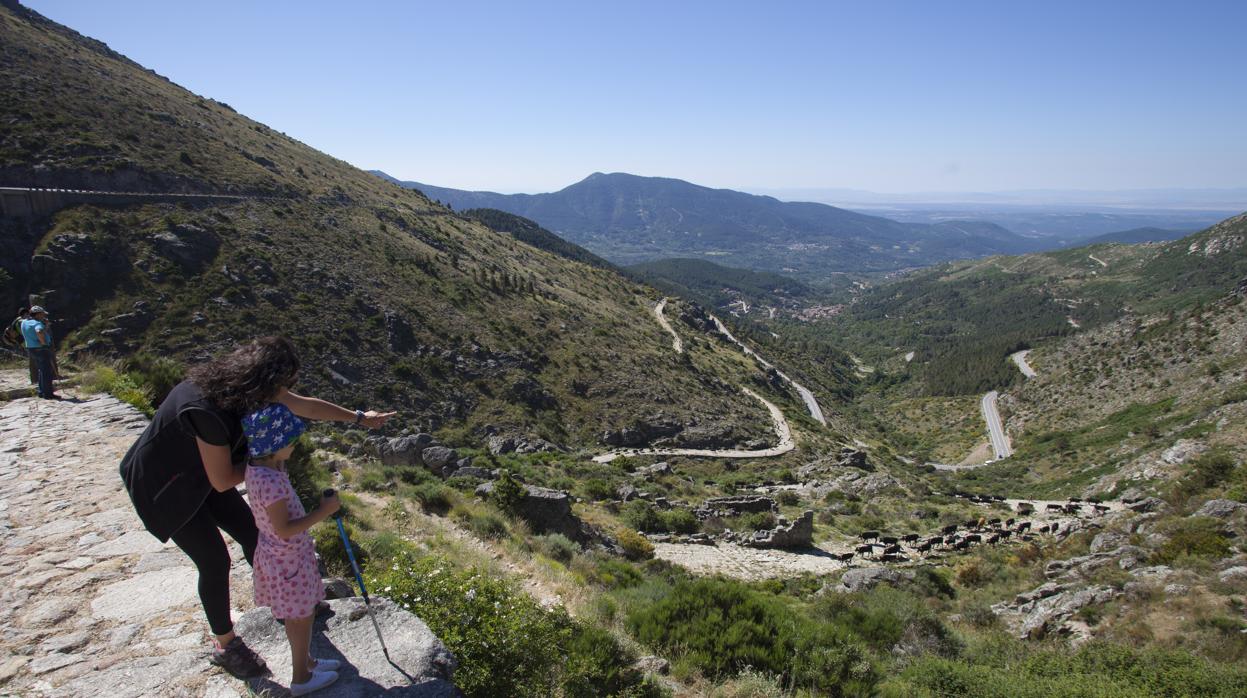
(958, 537)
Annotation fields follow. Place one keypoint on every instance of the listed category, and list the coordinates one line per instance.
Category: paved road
(1019, 358)
(1097, 260)
(676, 342)
(782, 430)
(996, 430)
(811, 403)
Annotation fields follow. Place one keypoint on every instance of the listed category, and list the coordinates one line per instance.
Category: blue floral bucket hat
(270, 429)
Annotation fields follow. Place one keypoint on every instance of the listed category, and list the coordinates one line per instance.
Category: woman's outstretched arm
(322, 410)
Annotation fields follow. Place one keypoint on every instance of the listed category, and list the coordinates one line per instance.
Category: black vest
(163, 472)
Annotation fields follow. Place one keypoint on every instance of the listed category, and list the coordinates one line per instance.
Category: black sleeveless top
(163, 471)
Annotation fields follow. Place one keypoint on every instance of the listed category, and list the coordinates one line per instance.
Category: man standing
(39, 345)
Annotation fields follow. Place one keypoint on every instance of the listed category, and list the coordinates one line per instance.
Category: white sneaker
(325, 664)
(319, 680)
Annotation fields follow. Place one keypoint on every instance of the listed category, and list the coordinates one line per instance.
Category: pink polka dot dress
(286, 577)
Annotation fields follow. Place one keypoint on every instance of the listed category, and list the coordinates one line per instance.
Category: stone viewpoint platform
(91, 604)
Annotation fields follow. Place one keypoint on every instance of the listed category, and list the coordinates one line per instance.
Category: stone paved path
(90, 603)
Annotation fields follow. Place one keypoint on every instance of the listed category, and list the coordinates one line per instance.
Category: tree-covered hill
(629, 219)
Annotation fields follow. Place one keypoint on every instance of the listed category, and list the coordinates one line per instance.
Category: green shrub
(433, 496)
(1097, 669)
(507, 493)
(642, 516)
(108, 378)
(556, 546)
(598, 489)
(757, 521)
(722, 627)
(634, 545)
(157, 374)
(506, 643)
(488, 526)
(331, 551)
(679, 521)
(613, 574)
(788, 498)
(1198, 537)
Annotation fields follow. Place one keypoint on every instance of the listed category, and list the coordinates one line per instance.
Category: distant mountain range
(628, 219)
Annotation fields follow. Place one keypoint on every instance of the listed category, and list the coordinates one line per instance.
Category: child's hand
(330, 504)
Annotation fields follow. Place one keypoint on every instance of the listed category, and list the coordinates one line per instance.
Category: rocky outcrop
(642, 431)
(798, 534)
(404, 450)
(499, 445)
(436, 458)
(419, 664)
(546, 511)
(867, 578)
(650, 472)
(1046, 609)
(1220, 508)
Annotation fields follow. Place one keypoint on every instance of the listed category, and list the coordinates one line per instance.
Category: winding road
(676, 342)
(782, 430)
(1019, 358)
(811, 403)
(996, 430)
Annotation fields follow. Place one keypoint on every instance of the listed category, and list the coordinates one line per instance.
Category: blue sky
(884, 96)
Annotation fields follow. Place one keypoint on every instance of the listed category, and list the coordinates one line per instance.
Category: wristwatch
(359, 416)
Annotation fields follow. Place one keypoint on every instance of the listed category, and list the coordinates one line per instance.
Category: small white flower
(471, 595)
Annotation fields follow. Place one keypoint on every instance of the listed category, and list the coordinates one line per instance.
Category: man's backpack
(13, 334)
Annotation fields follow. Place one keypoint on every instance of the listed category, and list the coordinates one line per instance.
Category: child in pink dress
(286, 576)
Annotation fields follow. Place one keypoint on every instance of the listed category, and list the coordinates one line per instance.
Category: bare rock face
(419, 664)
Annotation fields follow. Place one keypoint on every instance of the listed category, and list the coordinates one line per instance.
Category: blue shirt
(30, 331)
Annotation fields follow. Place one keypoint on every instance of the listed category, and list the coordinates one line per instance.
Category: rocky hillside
(392, 299)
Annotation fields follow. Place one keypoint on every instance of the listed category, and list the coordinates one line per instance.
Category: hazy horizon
(915, 97)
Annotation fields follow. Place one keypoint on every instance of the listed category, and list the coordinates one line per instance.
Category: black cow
(892, 550)
(925, 547)
(1024, 526)
(889, 540)
(949, 530)
(869, 535)
(910, 538)
(973, 538)
(865, 550)
(844, 557)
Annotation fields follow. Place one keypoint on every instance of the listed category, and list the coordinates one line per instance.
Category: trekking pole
(359, 577)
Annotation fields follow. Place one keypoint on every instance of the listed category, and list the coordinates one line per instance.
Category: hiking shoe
(325, 664)
(319, 680)
(239, 660)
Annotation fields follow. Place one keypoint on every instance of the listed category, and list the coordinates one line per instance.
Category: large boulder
(868, 578)
(404, 450)
(419, 665)
(436, 458)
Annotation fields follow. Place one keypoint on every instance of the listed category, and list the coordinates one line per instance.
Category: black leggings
(201, 540)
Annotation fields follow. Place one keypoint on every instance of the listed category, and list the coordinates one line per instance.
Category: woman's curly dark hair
(246, 378)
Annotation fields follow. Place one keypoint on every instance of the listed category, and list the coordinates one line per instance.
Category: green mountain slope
(630, 219)
(394, 301)
(962, 319)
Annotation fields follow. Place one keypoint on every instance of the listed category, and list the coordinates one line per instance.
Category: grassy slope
(342, 262)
